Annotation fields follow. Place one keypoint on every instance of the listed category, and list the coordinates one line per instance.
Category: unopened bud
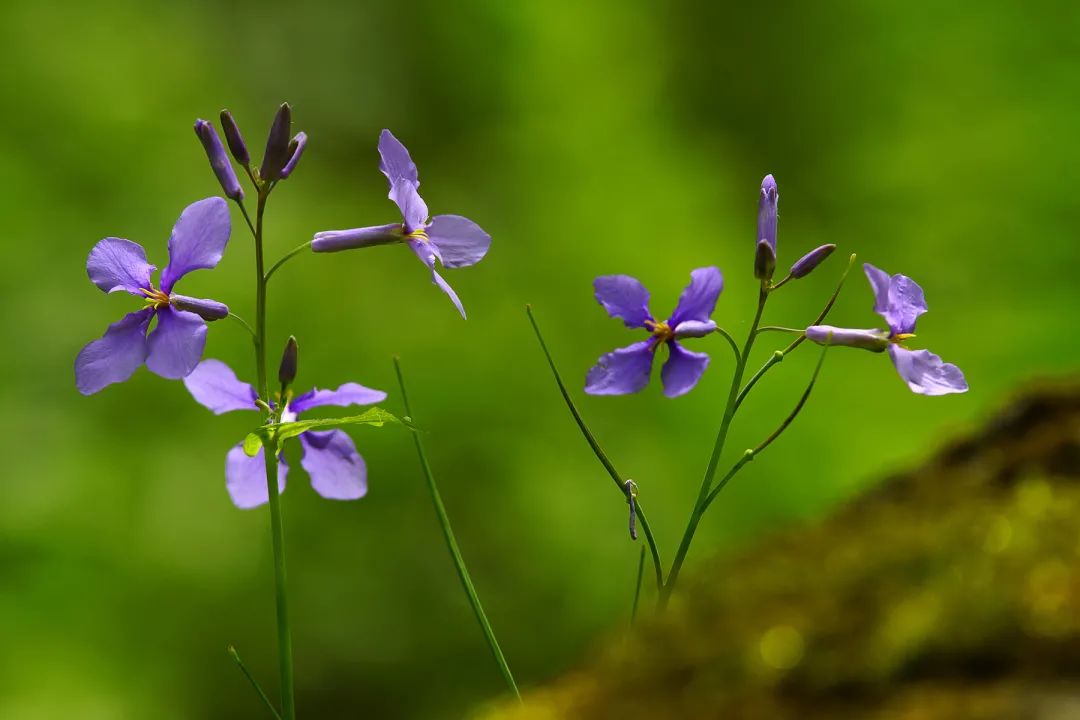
(872, 340)
(234, 139)
(805, 265)
(296, 149)
(287, 369)
(277, 145)
(764, 260)
(219, 161)
(206, 309)
(766, 219)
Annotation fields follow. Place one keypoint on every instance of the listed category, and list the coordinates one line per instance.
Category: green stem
(451, 543)
(779, 328)
(277, 533)
(288, 256)
(620, 483)
(731, 341)
(247, 327)
(718, 448)
(754, 452)
(637, 585)
(254, 683)
(247, 218)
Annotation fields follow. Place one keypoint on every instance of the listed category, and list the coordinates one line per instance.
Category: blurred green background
(587, 138)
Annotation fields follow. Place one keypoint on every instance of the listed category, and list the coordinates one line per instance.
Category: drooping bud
(296, 149)
(234, 139)
(277, 145)
(766, 222)
(764, 260)
(206, 309)
(805, 265)
(219, 161)
(872, 340)
(287, 369)
(335, 240)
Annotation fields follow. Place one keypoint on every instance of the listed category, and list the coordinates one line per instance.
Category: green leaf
(375, 417)
(252, 444)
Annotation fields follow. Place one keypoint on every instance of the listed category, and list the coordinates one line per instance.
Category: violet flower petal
(114, 356)
(208, 310)
(622, 371)
(925, 373)
(245, 477)
(118, 264)
(898, 299)
(428, 254)
(337, 240)
(414, 211)
(871, 339)
(694, 328)
(395, 162)
(336, 470)
(348, 394)
(698, 300)
(682, 370)
(297, 149)
(623, 297)
(176, 344)
(461, 242)
(198, 239)
(215, 386)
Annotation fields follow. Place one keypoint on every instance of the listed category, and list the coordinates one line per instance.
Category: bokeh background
(587, 138)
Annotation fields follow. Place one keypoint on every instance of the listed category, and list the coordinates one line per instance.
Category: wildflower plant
(168, 334)
(626, 370)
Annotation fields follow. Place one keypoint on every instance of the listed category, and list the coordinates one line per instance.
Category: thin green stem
(254, 683)
(451, 543)
(754, 452)
(718, 448)
(247, 218)
(778, 328)
(776, 286)
(775, 358)
(637, 585)
(277, 533)
(731, 341)
(247, 327)
(288, 256)
(620, 483)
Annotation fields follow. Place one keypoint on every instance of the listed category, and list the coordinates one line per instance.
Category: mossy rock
(948, 592)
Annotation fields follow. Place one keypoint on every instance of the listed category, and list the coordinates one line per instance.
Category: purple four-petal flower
(174, 347)
(336, 469)
(899, 300)
(627, 369)
(453, 240)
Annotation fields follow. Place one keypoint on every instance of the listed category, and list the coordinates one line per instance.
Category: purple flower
(453, 240)
(336, 470)
(174, 347)
(765, 252)
(627, 369)
(899, 300)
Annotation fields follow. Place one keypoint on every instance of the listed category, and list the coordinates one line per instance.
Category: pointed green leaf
(252, 444)
(375, 417)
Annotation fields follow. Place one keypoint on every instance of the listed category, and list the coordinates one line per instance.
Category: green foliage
(278, 433)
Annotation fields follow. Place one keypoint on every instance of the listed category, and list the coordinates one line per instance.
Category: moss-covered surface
(951, 591)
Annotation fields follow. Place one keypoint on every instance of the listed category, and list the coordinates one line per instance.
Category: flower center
(900, 338)
(661, 333)
(156, 298)
(418, 234)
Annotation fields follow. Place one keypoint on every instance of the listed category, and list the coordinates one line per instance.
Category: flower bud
(805, 265)
(764, 260)
(766, 219)
(335, 240)
(277, 145)
(296, 149)
(873, 340)
(206, 309)
(694, 328)
(287, 370)
(219, 161)
(234, 138)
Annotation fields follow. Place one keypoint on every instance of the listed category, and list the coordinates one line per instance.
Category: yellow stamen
(901, 337)
(418, 234)
(155, 298)
(661, 332)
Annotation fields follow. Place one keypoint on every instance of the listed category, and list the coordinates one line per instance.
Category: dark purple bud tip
(234, 139)
(287, 369)
(206, 309)
(219, 161)
(277, 145)
(766, 222)
(764, 260)
(805, 265)
(296, 149)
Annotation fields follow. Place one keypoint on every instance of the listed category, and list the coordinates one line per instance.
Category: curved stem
(455, 551)
(637, 585)
(778, 328)
(288, 256)
(247, 218)
(782, 283)
(718, 448)
(254, 683)
(752, 453)
(731, 341)
(247, 327)
(620, 483)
